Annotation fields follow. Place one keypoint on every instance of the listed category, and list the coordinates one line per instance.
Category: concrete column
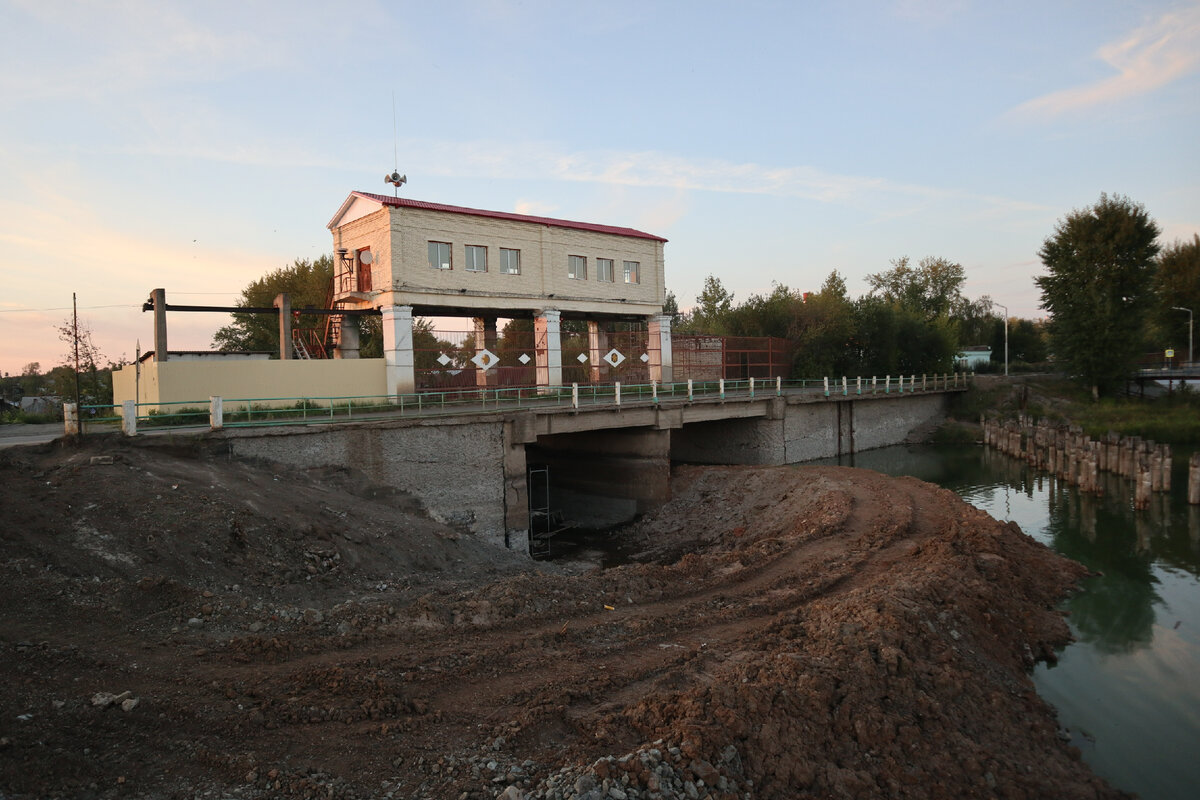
(70, 419)
(398, 349)
(159, 298)
(284, 303)
(348, 340)
(485, 339)
(662, 366)
(548, 343)
(129, 418)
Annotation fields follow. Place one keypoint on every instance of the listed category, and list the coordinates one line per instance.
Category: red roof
(404, 202)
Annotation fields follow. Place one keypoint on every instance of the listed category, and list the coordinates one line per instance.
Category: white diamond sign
(443, 359)
(645, 358)
(485, 360)
(581, 358)
(614, 358)
(524, 359)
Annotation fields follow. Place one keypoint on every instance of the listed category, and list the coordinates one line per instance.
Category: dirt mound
(810, 632)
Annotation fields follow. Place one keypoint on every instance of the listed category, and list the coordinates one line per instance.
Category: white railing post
(129, 418)
(858, 385)
(873, 385)
(618, 395)
(826, 379)
(689, 390)
(887, 384)
(654, 391)
(752, 388)
(70, 419)
(924, 382)
(778, 385)
(574, 395)
(216, 412)
(912, 382)
(845, 390)
(721, 387)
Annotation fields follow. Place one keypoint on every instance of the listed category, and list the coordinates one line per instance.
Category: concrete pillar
(485, 339)
(284, 303)
(398, 349)
(159, 298)
(348, 340)
(548, 344)
(597, 347)
(216, 412)
(70, 419)
(129, 418)
(662, 363)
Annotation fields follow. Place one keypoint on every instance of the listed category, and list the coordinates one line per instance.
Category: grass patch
(955, 433)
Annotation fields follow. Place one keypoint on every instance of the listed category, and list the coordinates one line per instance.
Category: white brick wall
(399, 237)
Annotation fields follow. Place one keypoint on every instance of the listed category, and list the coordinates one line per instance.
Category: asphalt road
(18, 434)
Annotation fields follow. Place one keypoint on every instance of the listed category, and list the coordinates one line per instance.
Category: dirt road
(784, 632)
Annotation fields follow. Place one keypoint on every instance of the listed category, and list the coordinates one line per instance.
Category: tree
(1177, 284)
(1098, 288)
(82, 360)
(933, 288)
(713, 305)
(306, 282)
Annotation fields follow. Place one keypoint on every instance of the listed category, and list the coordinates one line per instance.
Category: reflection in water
(1127, 689)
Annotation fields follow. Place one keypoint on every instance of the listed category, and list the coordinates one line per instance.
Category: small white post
(752, 388)
(618, 394)
(827, 386)
(887, 384)
(924, 382)
(778, 386)
(129, 418)
(574, 395)
(721, 387)
(654, 391)
(845, 391)
(70, 419)
(216, 412)
(873, 389)
(689, 390)
(858, 385)
(912, 382)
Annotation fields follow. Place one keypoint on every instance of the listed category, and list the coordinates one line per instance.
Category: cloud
(1148, 58)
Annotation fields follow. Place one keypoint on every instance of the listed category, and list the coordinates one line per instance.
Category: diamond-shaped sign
(614, 358)
(581, 358)
(485, 360)
(645, 358)
(524, 358)
(443, 359)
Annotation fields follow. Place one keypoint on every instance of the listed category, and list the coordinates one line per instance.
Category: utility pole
(1191, 353)
(75, 341)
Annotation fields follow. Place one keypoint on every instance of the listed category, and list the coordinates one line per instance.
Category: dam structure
(591, 466)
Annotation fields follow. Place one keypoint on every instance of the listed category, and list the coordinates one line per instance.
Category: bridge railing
(221, 412)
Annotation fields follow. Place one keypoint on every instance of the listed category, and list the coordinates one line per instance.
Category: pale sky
(196, 146)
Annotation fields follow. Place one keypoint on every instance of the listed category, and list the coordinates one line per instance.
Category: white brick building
(409, 258)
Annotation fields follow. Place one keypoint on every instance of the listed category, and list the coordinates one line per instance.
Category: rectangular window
(510, 261)
(439, 255)
(604, 270)
(633, 272)
(577, 268)
(476, 258)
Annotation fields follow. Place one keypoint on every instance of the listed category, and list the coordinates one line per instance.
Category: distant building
(971, 357)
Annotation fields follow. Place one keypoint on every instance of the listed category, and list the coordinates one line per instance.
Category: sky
(197, 146)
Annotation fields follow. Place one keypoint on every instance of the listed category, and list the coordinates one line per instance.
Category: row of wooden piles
(1078, 459)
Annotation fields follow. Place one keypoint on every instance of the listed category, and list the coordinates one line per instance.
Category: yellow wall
(196, 381)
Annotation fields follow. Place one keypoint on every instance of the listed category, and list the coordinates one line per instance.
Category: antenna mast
(395, 179)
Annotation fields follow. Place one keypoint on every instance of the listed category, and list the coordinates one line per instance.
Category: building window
(604, 270)
(633, 272)
(510, 261)
(476, 258)
(577, 268)
(439, 255)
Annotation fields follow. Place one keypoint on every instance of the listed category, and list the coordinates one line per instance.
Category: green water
(1128, 690)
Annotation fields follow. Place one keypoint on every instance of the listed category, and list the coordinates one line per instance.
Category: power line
(63, 308)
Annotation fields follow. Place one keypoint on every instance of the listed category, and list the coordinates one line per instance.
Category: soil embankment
(808, 632)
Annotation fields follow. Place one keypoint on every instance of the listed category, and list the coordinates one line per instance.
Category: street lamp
(1005, 335)
(1191, 353)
